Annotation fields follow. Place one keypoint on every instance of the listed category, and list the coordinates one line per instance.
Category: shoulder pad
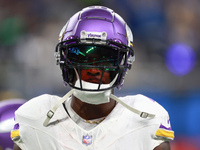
(36, 108)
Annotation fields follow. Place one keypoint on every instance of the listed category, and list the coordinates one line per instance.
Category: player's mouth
(94, 80)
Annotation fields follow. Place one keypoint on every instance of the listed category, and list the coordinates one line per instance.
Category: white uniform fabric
(120, 130)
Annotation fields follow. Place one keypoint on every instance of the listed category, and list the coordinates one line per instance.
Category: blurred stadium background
(166, 43)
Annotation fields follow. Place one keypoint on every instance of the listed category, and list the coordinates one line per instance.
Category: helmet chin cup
(95, 96)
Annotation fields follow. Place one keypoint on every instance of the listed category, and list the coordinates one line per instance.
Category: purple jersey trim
(16, 126)
(163, 127)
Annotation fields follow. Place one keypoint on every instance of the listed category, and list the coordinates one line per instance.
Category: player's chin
(95, 81)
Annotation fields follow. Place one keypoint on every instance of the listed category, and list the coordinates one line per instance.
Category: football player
(94, 52)
(7, 109)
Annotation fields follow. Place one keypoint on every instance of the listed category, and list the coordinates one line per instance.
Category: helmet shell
(96, 19)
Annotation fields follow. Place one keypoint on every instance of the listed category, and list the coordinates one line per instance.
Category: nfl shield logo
(87, 140)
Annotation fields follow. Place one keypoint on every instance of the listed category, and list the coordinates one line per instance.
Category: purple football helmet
(7, 109)
(95, 38)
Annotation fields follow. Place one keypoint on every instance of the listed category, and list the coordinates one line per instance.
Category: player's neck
(90, 111)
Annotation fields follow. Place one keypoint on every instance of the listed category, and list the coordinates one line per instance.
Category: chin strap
(51, 112)
(140, 113)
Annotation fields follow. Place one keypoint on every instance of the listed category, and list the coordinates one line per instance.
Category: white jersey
(120, 130)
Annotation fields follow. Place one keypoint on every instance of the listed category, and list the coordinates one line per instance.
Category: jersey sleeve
(164, 132)
(15, 136)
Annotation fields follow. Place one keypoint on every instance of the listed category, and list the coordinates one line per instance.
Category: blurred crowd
(29, 32)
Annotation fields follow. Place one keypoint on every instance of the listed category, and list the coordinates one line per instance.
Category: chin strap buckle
(144, 115)
(50, 114)
(141, 114)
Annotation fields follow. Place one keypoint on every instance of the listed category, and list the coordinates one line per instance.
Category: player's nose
(94, 72)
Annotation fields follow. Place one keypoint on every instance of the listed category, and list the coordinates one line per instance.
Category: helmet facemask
(108, 60)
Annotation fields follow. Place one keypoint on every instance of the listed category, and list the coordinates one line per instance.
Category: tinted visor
(94, 55)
